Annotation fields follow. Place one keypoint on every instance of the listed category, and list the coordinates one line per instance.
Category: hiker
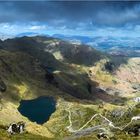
(21, 127)
(16, 128)
(12, 128)
(102, 136)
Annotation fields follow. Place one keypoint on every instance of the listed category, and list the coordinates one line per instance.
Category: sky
(92, 18)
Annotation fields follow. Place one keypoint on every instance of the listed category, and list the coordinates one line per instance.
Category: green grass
(4, 135)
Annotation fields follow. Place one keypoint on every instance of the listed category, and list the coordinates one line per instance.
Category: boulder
(136, 86)
(117, 113)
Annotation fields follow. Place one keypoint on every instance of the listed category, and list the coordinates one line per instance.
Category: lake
(38, 110)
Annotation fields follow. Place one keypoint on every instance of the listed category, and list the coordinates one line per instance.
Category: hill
(83, 82)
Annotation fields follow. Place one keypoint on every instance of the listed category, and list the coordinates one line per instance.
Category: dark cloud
(71, 14)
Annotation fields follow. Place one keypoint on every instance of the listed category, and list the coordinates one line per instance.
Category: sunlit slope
(83, 82)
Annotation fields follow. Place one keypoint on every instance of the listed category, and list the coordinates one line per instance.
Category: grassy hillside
(83, 81)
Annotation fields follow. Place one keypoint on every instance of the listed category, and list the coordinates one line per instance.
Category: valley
(94, 92)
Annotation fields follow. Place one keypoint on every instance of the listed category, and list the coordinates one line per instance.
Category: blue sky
(71, 18)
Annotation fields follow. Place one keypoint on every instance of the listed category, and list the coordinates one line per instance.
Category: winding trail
(81, 130)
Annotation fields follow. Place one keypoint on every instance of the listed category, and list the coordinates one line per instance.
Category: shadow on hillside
(117, 61)
(77, 54)
(88, 56)
(81, 90)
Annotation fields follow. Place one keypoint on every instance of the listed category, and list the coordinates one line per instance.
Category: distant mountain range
(124, 46)
(113, 45)
(28, 34)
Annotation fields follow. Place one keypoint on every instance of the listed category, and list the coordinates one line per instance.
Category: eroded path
(81, 130)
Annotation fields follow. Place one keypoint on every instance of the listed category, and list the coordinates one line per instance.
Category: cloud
(70, 12)
(81, 17)
(14, 29)
(37, 27)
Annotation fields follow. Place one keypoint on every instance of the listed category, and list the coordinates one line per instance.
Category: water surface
(38, 110)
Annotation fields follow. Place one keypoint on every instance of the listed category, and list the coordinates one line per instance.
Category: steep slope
(85, 83)
(73, 53)
(130, 71)
(25, 78)
(68, 52)
(71, 78)
(31, 47)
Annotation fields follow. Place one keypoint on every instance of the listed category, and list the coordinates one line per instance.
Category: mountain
(78, 54)
(4, 36)
(72, 53)
(94, 92)
(26, 34)
(82, 39)
(124, 46)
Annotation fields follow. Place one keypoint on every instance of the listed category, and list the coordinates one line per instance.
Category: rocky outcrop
(136, 87)
(117, 113)
(114, 91)
(135, 130)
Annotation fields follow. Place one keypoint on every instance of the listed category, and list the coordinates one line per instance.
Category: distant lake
(38, 110)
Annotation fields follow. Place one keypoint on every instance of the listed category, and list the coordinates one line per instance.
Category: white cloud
(16, 28)
(37, 27)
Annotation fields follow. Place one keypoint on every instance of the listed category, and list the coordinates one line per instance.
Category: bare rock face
(2, 86)
(130, 72)
(117, 113)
